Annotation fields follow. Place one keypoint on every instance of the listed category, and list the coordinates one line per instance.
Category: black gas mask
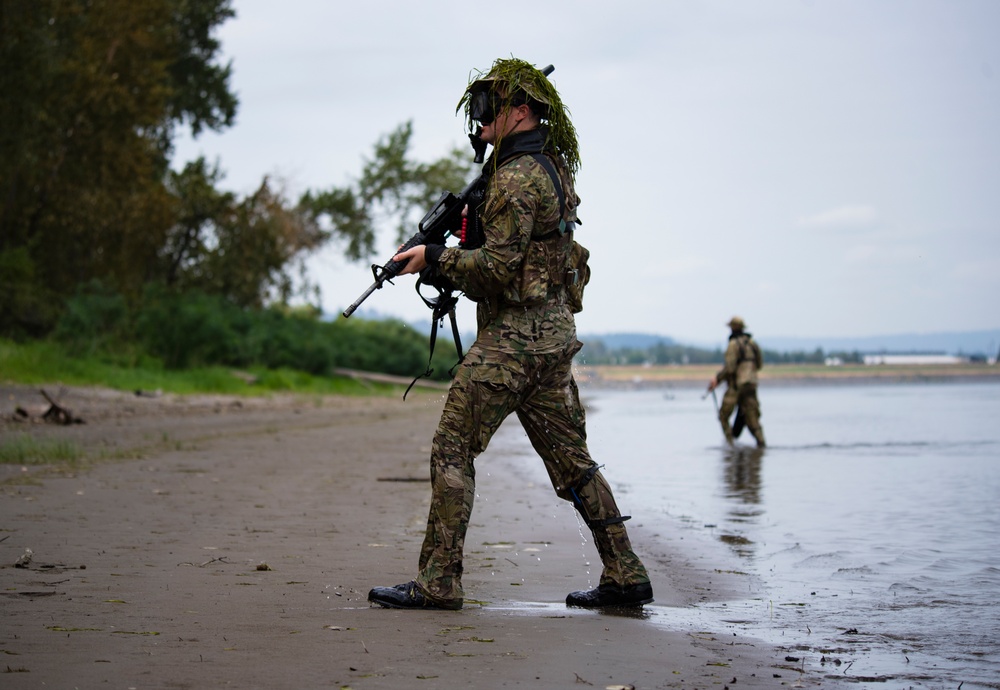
(484, 106)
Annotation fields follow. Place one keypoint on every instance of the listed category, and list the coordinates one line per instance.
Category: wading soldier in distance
(526, 278)
(743, 360)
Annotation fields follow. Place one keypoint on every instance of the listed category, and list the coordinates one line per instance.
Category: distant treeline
(191, 329)
(596, 352)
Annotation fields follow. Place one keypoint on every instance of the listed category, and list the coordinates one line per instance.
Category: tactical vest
(555, 265)
(748, 361)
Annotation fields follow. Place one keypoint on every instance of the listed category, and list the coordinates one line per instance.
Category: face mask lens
(483, 108)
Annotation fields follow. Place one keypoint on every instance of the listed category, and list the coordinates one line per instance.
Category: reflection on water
(871, 522)
(742, 473)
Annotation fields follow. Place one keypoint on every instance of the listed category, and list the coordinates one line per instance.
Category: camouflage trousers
(540, 389)
(745, 397)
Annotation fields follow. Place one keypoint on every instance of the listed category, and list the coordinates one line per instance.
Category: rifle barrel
(357, 303)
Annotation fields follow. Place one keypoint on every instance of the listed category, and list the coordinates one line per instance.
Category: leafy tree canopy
(87, 193)
(100, 86)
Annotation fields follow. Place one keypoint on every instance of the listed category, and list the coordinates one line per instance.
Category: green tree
(87, 196)
(244, 250)
(392, 188)
(256, 247)
(200, 206)
(200, 95)
(100, 85)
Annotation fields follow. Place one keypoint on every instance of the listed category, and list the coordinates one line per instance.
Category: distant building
(912, 358)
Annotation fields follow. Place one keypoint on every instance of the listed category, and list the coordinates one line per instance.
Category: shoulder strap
(742, 341)
(546, 163)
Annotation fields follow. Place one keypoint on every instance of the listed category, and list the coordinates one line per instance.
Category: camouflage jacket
(516, 277)
(743, 359)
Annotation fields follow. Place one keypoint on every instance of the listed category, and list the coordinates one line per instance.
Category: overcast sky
(819, 167)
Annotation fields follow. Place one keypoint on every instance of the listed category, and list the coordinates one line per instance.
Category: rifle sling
(444, 304)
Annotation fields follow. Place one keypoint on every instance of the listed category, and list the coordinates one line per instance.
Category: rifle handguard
(387, 272)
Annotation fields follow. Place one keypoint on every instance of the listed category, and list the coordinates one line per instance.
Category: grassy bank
(40, 363)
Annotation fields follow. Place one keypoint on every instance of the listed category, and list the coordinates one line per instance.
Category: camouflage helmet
(737, 324)
(512, 82)
(527, 87)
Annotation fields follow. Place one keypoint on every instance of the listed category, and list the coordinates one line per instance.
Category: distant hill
(955, 343)
(636, 341)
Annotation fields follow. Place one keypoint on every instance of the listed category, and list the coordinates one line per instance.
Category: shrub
(95, 319)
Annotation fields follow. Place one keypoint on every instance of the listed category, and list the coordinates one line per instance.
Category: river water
(869, 528)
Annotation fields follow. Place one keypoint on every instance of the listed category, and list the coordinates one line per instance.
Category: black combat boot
(407, 596)
(612, 595)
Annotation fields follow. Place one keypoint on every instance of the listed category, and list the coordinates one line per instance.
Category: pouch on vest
(577, 276)
(577, 271)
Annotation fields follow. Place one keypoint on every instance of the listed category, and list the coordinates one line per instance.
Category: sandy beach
(216, 542)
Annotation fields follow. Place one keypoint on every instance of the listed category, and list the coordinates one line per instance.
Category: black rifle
(445, 218)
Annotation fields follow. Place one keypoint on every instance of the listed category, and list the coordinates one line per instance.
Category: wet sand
(220, 542)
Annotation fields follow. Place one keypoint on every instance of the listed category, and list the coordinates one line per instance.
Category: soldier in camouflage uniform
(743, 360)
(523, 282)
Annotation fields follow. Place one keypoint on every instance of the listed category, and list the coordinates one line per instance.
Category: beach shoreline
(698, 375)
(219, 541)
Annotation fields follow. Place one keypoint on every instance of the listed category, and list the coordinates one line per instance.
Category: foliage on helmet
(511, 79)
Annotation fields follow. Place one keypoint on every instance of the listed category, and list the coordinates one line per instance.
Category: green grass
(25, 450)
(44, 362)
